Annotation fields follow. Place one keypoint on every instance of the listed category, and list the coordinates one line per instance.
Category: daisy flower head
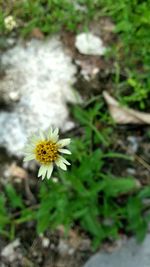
(10, 23)
(46, 148)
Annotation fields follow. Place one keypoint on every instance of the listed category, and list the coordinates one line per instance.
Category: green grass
(132, 20)
(50, 16)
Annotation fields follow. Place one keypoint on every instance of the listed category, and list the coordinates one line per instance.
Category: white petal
(64, 160)
(29, 157)
(28, 149)
(54, 135)
(32, 139)
(42, 136)
(42, 171)
(59, 163)
(29, 144)
(63, 142)
(50, 169)
(49, 133)
(65, 151)
(54, 138)
(63, 166)
(56, 131)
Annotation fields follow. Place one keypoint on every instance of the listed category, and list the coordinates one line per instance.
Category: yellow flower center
(46, 152)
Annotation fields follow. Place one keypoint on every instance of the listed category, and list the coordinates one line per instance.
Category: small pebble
(45, 242)
(89, 44)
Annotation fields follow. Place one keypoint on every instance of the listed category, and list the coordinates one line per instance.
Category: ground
(53, 249)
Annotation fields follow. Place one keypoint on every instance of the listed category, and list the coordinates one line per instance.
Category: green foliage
(50, 16)
(132, 22)
(2, 27)
(87, 195)
(13, 211)
(4, 217)
(14, 198)
(137, 223)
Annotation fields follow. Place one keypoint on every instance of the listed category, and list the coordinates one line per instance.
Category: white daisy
(46, 148)
(10, 23)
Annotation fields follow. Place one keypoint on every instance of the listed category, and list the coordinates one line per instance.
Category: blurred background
(82, 66)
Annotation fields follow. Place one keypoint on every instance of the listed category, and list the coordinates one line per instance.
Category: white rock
(71, 251)
(133, 144)
(130, 255)
(63, 247)
(14, 96)
(45, 242)
(45, 74)
(9, 251)
(89, 44)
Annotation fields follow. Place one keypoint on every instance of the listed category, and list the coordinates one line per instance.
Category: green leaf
(43, 222)
(14, 198)
(141, 230)
(91, 224)
(117, 155)
(115, 187)
(4, 217)
(137, 223)
(80, 213)
(81, 115)
(78, 185)
(144, 193)
(26, 215)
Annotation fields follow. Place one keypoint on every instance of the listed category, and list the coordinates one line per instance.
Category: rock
(63, 247)
(89, 44)
(85, 244)
(9, 94)
(133, 144)
(131, 171)
(44, 241)
(130, 255)
(9, 252)
(38, 81)
(6, 43)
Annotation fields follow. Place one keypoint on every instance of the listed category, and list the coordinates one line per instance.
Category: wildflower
(10, 23)
(46, 148)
